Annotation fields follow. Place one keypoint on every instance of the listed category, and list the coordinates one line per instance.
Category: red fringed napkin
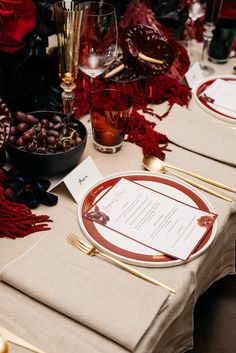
(17, 220)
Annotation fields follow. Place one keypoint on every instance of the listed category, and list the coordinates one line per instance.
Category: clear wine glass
(98, 35)
(67, 16)
(196, 11)
(212, 11)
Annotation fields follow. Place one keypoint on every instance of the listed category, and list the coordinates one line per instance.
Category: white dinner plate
(129, 250)
(216, 111)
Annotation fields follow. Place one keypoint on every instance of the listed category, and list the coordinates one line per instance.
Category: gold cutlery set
(154, 164)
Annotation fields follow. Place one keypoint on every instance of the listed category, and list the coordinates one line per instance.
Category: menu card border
(84, 215)
(109, 183)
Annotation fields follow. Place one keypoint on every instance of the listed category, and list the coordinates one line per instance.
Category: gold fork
(91, 251)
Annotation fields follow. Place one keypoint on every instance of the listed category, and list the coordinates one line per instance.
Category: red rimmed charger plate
(126, 249)
(218, 112)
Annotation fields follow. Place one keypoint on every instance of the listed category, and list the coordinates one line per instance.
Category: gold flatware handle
(12, 338)
(201, 187)
(200, 177)
(134, 271)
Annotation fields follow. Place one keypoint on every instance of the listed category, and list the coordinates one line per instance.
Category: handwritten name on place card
(81, 177)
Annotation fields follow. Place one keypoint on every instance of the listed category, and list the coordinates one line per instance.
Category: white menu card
(223, 94)
(151, 218)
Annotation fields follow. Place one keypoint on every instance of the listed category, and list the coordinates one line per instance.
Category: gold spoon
(3, 345)
(160, 165)
(154, 164)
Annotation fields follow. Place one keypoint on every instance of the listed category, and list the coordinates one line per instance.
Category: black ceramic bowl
(47, 163)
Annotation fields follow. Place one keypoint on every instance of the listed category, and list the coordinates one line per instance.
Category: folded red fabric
(17, 19)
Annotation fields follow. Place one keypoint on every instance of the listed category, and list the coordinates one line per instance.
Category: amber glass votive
(110, 110)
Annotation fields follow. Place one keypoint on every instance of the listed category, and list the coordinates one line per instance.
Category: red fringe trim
(17, 220)
(142, 133)
(151, 91)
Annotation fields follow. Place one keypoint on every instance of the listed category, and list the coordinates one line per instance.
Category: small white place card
(223, 94)
(151, 218)
(194, 74)
(80, 178)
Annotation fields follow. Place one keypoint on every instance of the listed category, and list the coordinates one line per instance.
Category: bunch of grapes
(44, 136)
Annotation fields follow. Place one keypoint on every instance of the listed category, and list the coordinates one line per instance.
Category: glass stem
(91, 84)
(67, 96)
(67, 100)
(207, 37)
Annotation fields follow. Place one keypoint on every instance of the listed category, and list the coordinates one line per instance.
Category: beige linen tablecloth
(199, 132)
(87, 289)
(171, 329)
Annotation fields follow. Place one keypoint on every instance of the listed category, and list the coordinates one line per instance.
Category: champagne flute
(213, 8)
(98, 36)
(67, 15)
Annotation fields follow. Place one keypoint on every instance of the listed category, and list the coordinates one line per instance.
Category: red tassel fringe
(151, 91)
(17, 220)
(142, 133)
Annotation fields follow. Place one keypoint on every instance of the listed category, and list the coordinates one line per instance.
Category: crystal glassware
(213, 8)
(110, 110)
(196, 11)
(98, 36)
(67, 17)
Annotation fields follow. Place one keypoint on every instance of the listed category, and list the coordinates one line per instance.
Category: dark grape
(56, 119)
(12, 139)
(78, 141)
(22, 127)
(51, 140)
(13, 130)
(45, 123)
(31, 120)
(44, 136)
(20, 141)
(58, 126)
(53, 133)
(50, 125)
(41, 150)
(27, 137)
(20, 116)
